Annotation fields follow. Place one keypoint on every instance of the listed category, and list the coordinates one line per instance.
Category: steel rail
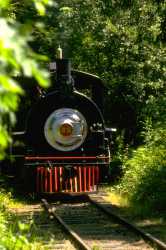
(75, 236)
(147, 236)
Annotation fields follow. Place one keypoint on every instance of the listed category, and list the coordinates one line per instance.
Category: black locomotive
(66, 142)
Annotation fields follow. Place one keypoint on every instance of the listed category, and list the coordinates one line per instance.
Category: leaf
(4, 3)
(4, 138)
(8, 84)
(40, 8)
(24, 227)
(41, 76)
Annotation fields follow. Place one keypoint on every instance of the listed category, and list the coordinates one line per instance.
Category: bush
(145, 177)
(12, 232)
(120, 153)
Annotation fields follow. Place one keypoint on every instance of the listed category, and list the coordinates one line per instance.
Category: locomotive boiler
(66, 142)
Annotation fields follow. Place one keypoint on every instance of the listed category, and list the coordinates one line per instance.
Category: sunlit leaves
(4, 138)
(16, 55)
(41, 6)
(16, 58)
(146, 174)
(4, 3)
(110, 27)
(67, 11)
(14, 233)
(43, 79)
(9, 85)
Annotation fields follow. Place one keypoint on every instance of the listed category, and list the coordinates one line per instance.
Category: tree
(17, 58)
(121, 41)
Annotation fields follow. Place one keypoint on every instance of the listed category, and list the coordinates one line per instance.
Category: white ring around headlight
(74, 123)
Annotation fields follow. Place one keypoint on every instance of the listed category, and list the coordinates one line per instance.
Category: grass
(21, 231)
(96, 247)
(141, 215)
(13, 233)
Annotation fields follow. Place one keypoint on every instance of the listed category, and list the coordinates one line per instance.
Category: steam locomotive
(66, 142)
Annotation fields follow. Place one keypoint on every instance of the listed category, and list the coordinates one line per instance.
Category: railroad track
(93, 226)
(46, 233)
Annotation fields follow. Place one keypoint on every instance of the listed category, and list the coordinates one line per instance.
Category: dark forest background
(123, 42)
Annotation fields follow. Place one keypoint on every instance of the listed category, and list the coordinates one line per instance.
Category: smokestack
(64, 81)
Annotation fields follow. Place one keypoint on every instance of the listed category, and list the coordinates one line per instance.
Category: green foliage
(120, 154)
(14, 234)
(17, 58)
(123, 42)
(145, 177)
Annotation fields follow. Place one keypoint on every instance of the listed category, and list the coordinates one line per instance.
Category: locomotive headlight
(65, 129)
